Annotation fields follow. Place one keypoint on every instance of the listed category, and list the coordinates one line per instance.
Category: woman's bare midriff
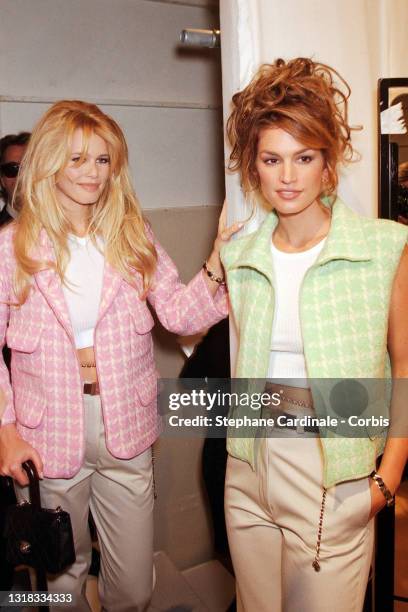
(86, 358)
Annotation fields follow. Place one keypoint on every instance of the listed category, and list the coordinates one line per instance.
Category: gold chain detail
(295, 402)
(316, 564)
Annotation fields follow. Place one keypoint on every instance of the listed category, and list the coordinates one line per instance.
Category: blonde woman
(77, 270)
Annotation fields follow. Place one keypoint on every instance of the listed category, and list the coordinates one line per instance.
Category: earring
(324, 192)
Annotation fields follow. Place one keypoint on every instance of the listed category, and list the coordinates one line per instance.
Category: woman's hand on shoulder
(14, 451)
(225, 233)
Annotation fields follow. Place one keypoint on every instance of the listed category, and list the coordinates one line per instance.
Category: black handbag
(38, 537)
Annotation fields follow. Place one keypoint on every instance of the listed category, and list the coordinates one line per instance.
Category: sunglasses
(9, 169)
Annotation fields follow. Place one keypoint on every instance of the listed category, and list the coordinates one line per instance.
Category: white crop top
(286, 358)
(84, 276)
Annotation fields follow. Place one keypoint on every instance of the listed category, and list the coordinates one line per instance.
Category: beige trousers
(120, 495)
(272, 520)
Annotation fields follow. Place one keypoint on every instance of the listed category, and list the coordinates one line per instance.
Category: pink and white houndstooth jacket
(46, 400)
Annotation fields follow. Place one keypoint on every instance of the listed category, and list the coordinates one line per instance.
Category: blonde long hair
(116, 218)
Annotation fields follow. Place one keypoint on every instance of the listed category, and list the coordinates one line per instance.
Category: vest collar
(345, 240)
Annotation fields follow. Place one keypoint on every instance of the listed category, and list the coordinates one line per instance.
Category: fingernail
(41, 475)
(241, 224)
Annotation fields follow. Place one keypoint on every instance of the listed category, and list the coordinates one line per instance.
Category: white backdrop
(363, 39)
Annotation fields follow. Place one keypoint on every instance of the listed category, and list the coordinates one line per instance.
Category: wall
(125, 56)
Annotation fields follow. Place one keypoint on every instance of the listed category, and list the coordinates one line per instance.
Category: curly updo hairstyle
(306, 99)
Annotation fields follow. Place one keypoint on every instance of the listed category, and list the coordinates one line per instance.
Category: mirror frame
(387, 165)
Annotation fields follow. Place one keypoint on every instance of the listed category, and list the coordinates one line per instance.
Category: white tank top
(84, 276)
(286, 358)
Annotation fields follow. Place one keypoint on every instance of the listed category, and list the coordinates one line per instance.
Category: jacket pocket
(26, 355)
(24, 328)
(19, 339)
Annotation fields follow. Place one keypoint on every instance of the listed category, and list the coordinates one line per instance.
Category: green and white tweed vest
(344, 305)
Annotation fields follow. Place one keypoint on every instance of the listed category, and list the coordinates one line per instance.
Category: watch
(389, 497)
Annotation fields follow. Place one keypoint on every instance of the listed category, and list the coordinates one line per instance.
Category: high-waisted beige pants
(272, 520)
(120, 495)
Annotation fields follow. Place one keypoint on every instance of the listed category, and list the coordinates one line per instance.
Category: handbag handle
(34, 485)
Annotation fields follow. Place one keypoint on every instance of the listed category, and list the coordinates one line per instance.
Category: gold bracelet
(212, 276)
(389, 497)
(88, 365)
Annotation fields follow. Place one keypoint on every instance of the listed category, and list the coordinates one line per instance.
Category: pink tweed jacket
(45, 400)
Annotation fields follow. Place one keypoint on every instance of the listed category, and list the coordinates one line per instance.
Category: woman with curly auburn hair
(317, 292)
(77, 269)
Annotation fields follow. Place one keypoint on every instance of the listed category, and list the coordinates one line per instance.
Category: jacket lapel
(257, 251)
(346, 239)
(49, 284)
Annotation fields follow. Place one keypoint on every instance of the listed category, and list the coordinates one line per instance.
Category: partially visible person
(12, 149)
(402, 197)
(211, 360)
(7, 497)
(403, 175)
